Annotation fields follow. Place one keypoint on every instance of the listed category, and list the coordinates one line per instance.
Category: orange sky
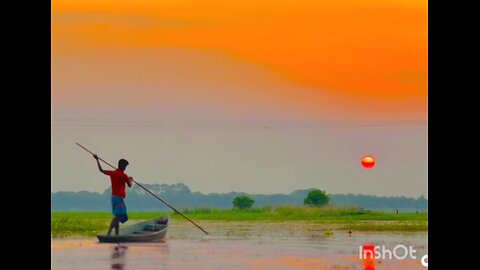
(367, 50)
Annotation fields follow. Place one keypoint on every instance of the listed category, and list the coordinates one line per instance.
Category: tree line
(181, 196)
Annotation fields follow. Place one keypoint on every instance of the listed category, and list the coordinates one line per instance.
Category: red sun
(368, 162)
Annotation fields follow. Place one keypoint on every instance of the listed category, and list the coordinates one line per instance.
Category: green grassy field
(91, 223)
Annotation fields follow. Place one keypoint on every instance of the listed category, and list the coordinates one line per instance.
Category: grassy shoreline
(91, 223)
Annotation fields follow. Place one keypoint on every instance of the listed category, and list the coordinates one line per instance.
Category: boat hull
(153, 230)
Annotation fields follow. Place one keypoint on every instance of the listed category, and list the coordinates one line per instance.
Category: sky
(254, 96)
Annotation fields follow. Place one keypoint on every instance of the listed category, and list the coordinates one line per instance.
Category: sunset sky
(248, 95)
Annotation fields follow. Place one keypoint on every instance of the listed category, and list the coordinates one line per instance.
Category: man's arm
(129, 181)
(100, 166)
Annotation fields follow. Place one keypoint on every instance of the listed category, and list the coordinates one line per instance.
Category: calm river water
(244, 245)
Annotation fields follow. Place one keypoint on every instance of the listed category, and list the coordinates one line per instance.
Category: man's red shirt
(118, 179)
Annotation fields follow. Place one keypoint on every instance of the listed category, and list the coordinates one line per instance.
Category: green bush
(243, 202)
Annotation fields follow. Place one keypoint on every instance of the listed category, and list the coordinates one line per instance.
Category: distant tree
(243, 202)
(316, 198)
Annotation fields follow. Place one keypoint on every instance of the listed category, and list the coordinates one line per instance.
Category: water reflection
(139, 253)
(118, 257)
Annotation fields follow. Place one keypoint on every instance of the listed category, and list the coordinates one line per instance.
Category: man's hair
(122, 164)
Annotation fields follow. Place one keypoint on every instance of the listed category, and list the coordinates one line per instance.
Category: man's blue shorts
(119, 208)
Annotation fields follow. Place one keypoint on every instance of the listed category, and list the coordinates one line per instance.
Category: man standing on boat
(118, 179)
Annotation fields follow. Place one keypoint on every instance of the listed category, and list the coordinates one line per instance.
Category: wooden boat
(147, 231)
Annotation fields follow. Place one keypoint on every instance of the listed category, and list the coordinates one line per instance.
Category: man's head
(122, 164)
